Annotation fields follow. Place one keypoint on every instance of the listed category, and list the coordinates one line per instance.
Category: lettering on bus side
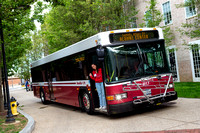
(80, 83)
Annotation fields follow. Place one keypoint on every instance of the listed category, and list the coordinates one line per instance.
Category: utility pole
(10, 117)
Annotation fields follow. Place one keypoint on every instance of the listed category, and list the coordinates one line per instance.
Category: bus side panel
(46, 91)
(66, 94)
(36, 91)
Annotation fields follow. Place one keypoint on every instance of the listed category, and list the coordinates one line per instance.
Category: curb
(30, 125)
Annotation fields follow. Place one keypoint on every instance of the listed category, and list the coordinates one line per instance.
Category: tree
(16, 24)
(152, 17)
(168, 35)
(71, 21)
(36, 49)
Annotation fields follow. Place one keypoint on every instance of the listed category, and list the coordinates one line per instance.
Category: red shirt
(97, 76)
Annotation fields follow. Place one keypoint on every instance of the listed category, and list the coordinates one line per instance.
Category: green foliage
(36, 47)
(168, 35)
(24, 67)
(71, 21)
(39, 7)
(16, 21)
(152, 17)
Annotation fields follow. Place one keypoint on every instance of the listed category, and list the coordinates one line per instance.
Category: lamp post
(9, 118)
(4, 90)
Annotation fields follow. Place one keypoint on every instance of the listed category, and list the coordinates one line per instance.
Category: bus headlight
(121, 96)
(170, 85)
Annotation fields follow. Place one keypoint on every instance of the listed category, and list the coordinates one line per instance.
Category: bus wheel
(42, 97)
(87, 103)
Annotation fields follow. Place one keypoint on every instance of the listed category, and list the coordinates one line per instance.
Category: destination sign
(134, 36)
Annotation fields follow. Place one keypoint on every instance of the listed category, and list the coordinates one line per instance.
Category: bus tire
(87, 104)
(42, 97)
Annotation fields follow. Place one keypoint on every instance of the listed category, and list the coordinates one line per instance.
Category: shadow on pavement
(144, 110)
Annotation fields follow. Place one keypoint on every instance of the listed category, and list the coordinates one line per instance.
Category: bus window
(38, 75)
(70, 68)
(132, 61)
(121, 62)
(155, 61)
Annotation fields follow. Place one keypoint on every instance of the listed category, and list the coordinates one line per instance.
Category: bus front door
(50, 88)
(92, 59)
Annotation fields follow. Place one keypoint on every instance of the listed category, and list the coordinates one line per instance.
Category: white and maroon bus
(135, 70)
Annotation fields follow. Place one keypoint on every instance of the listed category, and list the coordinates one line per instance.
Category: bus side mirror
(100, 54)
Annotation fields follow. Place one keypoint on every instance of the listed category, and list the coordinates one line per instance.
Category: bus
(135, 71)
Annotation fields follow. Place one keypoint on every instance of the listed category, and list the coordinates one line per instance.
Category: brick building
(14, 81)
(186, 61)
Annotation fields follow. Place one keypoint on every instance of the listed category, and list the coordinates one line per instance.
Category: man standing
(26, 84)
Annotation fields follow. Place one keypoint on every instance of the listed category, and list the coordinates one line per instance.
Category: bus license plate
(147, 92)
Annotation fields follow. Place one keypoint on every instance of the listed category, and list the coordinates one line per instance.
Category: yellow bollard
(14, 104)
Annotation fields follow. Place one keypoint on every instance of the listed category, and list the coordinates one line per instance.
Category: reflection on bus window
(134, 61)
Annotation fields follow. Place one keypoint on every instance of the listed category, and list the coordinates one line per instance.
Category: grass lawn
(188, 89)
(12, 128)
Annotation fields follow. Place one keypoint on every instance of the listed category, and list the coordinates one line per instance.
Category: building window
(190, 10)
(196, 60)
(173, 63)
(133, 23)
(167, 13)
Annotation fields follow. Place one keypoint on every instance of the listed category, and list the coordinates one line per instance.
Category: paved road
(58, 118)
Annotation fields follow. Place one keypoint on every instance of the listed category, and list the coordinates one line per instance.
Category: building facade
(184, 60)
(14, 81)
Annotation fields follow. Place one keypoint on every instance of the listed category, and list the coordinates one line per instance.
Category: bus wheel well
(81, 91)
(85, 101)
(42, 96)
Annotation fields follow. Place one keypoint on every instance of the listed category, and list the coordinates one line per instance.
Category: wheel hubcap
(86, 101)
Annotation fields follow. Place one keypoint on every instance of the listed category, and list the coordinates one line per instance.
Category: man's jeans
(101, 93)
(26, 87)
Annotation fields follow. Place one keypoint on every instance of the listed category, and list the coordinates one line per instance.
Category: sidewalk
(16, 87)
(31, 122)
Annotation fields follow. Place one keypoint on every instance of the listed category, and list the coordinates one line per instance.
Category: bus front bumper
(130, 106)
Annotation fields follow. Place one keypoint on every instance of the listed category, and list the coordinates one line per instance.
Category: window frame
(164, 13)
(187, 17)
(177, 67)
(195, 79)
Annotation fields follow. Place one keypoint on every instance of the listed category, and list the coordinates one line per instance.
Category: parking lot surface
(56, 118)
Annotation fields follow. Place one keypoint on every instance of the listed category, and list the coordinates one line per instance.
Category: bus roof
(102, 39)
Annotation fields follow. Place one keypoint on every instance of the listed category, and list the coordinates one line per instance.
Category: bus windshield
(133, 61)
